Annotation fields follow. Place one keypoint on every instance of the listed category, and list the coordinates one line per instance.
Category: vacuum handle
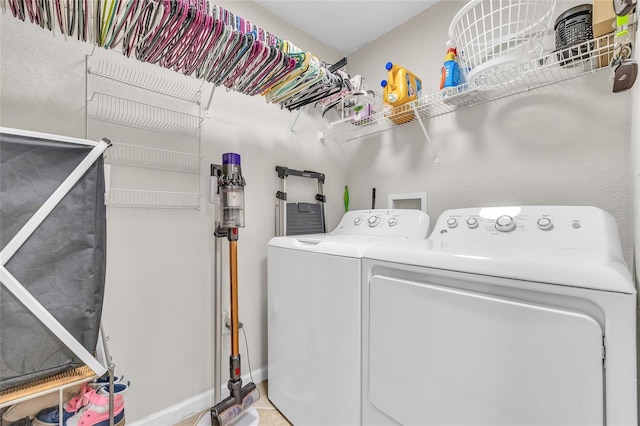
(233, 268)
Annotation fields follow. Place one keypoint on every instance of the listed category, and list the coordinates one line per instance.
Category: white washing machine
(504, 316)
(314, 309)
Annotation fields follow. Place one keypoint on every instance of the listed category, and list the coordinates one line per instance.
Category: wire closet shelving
(182, 93)
(153, 158)
(575, 61)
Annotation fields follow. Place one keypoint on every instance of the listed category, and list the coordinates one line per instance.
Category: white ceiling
(346, 25)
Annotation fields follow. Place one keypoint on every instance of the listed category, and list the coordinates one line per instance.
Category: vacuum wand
(231, 189)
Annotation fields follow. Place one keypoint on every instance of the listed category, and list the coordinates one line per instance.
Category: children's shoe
(51, 416)
(32, 406)
(95, 411)
(104, 380)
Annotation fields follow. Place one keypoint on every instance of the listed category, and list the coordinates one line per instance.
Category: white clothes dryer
(504, 316)
(314, 310)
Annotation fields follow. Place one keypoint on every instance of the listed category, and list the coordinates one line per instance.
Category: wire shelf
(146, 76)
(145, 116)
(142, 156)
(577, 60)
(133, 198)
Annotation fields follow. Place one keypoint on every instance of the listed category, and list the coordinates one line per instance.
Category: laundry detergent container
(497, 35)
(401, 87)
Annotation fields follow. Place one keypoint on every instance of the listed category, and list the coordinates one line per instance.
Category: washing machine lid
(360, 229)
(333, 244)
(563, 245)
(584, 270)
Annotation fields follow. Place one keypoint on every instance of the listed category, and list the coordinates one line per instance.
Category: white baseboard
(185, 409)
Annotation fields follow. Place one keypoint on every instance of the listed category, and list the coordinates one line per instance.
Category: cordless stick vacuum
(231, 190)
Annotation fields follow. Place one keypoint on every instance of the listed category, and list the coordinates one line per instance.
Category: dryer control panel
(406, 223)
(542, 226)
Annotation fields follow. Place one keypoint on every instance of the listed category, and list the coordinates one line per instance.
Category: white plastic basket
(493, 35)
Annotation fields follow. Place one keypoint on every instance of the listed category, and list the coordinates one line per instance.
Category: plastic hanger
(302, 65)
(179, 45)
(58, 13)
(248, 53)
(179, 14)
(71, 17)
(334, 84)
(273, 75)
(17, 9)
(201, 54)
(202, 40)
(237, 54)
(222, 46)
(28, 6)
(292, 86)
(84, 31)
(109, 8)
(44, 10)
(222, 52)
(331, 84)
(232, 47)
(154, 29)
(134, 26)
(300, 84)
(123, 18)
(256, 77)
(220, 43)
(257, 55)
(278, 74)
(266, 58)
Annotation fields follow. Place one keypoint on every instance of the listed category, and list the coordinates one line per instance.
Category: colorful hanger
(194, 37)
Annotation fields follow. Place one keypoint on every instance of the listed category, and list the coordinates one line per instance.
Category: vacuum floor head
(230, 408)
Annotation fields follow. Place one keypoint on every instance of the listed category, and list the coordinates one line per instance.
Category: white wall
(567, 143)
(158, 302)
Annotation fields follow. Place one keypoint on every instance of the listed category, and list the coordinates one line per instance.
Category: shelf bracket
(206, 109)
(426, 134)
(294, 122)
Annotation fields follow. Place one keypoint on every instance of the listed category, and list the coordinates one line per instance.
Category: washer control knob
(452, 222)
(472, 223)
(505, 224)
(373, 221)
(393, 221)
(357, 221)
(545, 224)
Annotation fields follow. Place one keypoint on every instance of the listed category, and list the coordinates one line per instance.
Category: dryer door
(444, 356)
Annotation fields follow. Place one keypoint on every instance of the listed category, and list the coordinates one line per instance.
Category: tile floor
(269, 415)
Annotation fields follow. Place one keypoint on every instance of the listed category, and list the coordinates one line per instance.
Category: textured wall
(568, 143)
(158, 303)
(564, 144)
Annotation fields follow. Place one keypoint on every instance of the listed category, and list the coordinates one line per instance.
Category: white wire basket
(133, 198)
(494, 35)
(119, 110)
(142, 156)
(146, 76)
